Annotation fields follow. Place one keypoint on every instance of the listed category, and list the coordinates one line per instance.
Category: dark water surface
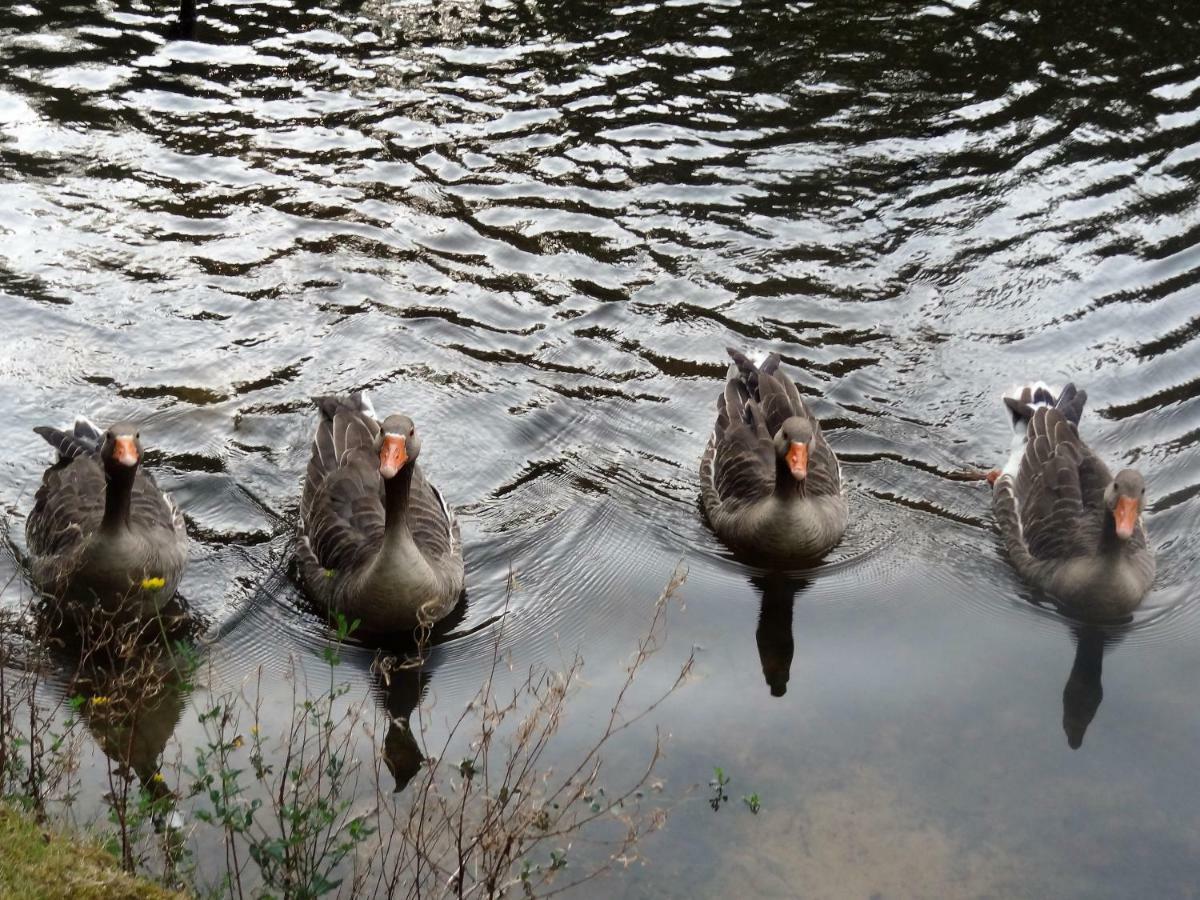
(534, 227)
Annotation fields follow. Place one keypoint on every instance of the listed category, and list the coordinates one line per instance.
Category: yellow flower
(153, 584)
(99, 701)
(158, 776)
(237, 742)
(254, 730)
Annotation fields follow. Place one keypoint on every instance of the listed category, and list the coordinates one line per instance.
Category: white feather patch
(1034, 387)
(1006, 484)
(1017, 453)
(445, 507)
(365, 405)
(1021, 426)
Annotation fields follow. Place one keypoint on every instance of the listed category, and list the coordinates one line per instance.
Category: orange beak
(797, 460)
(392, 455)
(125, 451)
(1125, 514)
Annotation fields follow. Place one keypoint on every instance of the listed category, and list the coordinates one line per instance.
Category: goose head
(121, 449)
(1124, 499)
(398, 445)
(793, 442)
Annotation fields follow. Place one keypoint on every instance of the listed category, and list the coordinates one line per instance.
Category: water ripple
(535, 227)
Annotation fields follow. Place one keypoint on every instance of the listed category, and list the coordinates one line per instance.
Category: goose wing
(342, 508)
(1059, 489)
(150, 508)
(68, 506)
(824, 471)
(741, 456)
(432, 523)
(346, 424)
(344, 521)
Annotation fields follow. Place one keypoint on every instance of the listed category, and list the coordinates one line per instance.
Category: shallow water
(534, 228)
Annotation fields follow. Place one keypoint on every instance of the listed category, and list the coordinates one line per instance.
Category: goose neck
(396, 492)
(1111, 545)
(117, 496)
(786, 486)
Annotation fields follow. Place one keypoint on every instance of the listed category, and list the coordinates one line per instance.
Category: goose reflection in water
(134, 683)
(402, 682)
(1083, 691)
(183, 28)
(132, 714)
(402, 679)
(774, 634)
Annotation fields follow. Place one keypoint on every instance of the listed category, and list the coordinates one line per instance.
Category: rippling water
(534, 227)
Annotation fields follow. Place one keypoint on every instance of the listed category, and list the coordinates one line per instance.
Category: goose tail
(84, 438)
(1022, 402)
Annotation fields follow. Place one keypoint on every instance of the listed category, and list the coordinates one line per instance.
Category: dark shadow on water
(132, 713)
(777, 582)
(1084, 691)
(183, 27)
(776, 645)
(402, 682)
(129, 680)
(401, 679)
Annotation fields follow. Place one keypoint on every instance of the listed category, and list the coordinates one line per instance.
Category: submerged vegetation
(483, 805)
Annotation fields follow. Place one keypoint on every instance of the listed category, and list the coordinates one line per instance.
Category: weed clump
(475, 804)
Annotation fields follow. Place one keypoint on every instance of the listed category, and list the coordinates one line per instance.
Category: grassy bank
(42, 864)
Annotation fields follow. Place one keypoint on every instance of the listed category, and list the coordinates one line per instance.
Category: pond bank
(45, 864)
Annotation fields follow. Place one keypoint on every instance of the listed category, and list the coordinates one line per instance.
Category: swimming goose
(101, 531)
(769, 482)
(378, 542)
(1071, 529)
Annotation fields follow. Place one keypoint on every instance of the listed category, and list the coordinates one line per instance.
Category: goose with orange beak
(770, 483)
(378, 542)
(1071, 528)
(101, 532)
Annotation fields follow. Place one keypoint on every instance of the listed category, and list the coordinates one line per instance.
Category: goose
(770, 484)
(1071, 529)
(378, 543)
(101, 531)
